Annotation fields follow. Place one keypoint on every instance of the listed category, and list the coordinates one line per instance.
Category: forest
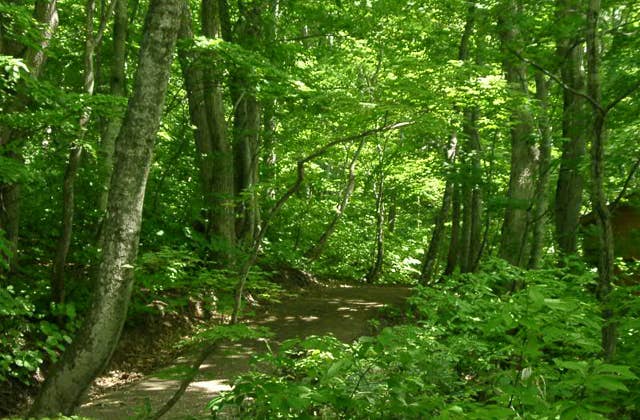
(447, 190)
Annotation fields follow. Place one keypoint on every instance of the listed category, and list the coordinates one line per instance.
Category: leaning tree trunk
(523, 148)
(92, 348)
(46, 14)
(598, 198)
(570, 178)
(541, 204)
(316, 250)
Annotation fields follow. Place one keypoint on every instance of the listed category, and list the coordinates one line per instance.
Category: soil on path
(342, 311)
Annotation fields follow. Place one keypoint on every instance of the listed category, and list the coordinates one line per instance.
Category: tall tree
(523, 148)
(538, 213)
(467, 234)
(93, 346)
(598, 197)
(203, 81)
(247, 32)
(569, 51)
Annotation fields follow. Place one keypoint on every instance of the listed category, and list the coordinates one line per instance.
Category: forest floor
(344, 311)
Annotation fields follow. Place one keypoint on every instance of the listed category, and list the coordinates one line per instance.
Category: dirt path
(342, 311)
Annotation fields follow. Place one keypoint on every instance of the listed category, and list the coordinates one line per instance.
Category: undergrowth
(472, 350)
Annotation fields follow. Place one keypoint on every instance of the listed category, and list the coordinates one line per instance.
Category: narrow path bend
(343, 311)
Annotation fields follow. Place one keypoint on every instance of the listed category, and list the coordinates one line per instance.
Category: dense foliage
(453, 146)
(469, 350)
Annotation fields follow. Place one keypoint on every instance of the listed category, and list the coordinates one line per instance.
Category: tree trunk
(376, 269)
(471, 228)
(316, 250)
(570, 179)
(75, 154)
(45, 13)
(214, 156)
(118, 87)
(64, 241)
(598, 198)
(475, 242)
(93, 346)
(246, 128)
(524, 152)
(431, 256)
(454, 242)
(540, 207)
(246, 133)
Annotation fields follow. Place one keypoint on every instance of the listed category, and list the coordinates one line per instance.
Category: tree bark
(93, 346)
(454, 242)
(524, 152)
(375, 271)
(246, 127)
(471, 224)
(598, 197)
(45, 13)
(431, 256)
(570, 179)
(213, 152)
(316, 250)
(118, 88)
(540, 207)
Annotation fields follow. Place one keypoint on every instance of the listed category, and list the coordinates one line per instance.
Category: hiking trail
(344, 311)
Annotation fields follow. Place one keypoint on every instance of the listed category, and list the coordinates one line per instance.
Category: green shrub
(475, 350)
(28, 337)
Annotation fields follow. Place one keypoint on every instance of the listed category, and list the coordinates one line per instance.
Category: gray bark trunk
(92, 348)
(598, 198)
(524, 153)
(539, 214)
(570, 179)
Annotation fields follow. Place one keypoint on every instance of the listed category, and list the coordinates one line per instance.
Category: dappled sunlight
(343, 312)
(158, 384)
(213, 386)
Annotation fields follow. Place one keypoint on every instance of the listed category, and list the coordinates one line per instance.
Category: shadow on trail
(343, 311)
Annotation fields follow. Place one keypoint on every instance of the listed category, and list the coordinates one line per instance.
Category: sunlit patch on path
(342, 311)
